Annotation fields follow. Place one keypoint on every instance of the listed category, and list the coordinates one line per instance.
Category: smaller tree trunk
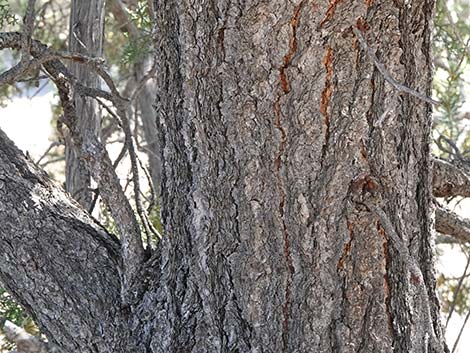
(149, 125)
(86, 37)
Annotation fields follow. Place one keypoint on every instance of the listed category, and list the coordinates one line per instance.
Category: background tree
(85, 37)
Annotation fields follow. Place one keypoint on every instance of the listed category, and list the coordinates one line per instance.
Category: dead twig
(395, 84)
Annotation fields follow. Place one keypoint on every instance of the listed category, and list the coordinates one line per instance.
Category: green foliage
(107, 220)
(108, 223)
(154, 217)
(136, 50)
(10, 310)
(451, 52)
(6, 16)
(140, 16)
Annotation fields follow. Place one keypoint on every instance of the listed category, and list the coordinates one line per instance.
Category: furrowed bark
(57, 262)
(272, 149)
(294, 221)
(94, 156)
(86, 37)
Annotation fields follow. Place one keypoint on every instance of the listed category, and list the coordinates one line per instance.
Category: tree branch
(450, 223)
(94, 155)
(386, 75)
(123, 20)
(450, 179)
(25, 343)
(28, 28)
(55, 259)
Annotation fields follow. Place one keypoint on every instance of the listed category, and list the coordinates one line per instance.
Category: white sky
(28, 123)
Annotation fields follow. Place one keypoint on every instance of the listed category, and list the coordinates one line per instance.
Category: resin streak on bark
(270, 156)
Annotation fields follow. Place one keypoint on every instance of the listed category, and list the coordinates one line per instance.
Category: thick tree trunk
(298, 217)
(86, 37)
(295, 193)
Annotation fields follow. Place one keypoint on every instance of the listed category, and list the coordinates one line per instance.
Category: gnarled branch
(93, 153)
(55, 259)
(450, 179)
(450, 223)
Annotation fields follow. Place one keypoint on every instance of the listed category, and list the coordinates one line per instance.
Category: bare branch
(151, 9)
(94, 155)
(123, 20)
(455, 153)
(460, 332)
(446, 239)
(51, 146)
(97, 65)
(455, 293)
(450, 178)
(51, 161)
(143, 81)
(25, 342)
(398, 86)
(28, 28)
(16, 73)
(53, 67)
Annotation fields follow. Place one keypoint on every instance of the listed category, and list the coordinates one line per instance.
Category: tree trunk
(86, 37)
(149, 127)
(298, 217)
(295, 193)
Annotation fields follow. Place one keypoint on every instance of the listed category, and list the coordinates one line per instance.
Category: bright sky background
(28, 123)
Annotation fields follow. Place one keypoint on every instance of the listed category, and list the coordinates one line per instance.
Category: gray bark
(448, 222)
(60, 265)
(149, 127)
(294, 222)
(450, 178)
(85, 37)
(301, 215)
